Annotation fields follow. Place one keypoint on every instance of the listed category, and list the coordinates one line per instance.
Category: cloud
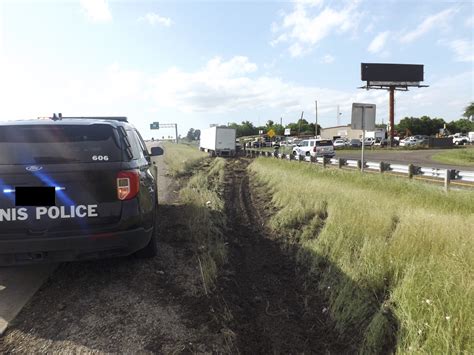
(154, 19)
(447, 93)
(438, 20)
(234, 86)
(327, 59)
(469, 22)
(296, 50)
(378, 43)
(96, 10)
(303, 29)
(464, 49)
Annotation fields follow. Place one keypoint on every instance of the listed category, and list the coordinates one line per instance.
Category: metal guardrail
(446, 176)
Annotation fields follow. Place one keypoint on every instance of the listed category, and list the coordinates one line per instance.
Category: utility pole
(281, 121)
(316, 113)
(176, 132)
(337, 116)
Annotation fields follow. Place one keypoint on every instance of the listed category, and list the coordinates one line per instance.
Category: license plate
(35, 196)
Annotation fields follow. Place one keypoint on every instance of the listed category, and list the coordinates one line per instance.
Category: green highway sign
(155, 125)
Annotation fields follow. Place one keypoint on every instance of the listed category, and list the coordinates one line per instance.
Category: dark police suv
(74, 188)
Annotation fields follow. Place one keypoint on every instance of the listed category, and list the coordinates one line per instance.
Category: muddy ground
(262, 302)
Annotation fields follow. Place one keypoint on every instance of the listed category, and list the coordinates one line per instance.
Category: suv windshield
(57, 144)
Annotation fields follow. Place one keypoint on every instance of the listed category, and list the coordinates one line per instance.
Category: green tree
(190, 135)
(469, 111)
(462, 125)
(246, 128)
(424, 125)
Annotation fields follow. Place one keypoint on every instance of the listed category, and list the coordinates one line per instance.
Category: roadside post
(363, 118)
(447, 179)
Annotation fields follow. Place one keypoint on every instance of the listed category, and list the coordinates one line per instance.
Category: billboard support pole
(392, 113)
(316, 125)
(363, 140)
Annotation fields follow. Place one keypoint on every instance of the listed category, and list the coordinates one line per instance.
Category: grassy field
(394, 258)
(464, 157)
(181, 159)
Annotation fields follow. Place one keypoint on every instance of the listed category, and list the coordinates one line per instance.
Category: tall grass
(202, 205)
(181, 159)
(395, 258)
(206, 219)
(462, 156)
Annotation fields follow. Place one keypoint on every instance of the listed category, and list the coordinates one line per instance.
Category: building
(349, 133)
(340, 132)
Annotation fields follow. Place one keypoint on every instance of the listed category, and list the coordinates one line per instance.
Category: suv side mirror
(156, 151)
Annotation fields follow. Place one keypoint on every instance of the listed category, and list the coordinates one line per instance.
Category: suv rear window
(58, 144)
(324, 143)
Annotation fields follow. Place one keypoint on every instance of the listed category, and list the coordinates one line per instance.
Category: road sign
(271, 133)
(363, 116)
(287, 131)
(155, 125)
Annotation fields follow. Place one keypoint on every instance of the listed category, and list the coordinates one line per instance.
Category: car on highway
(355, 143)
(461, 139)
(315, 148)
(341, 143)
(75, 188)
(413, 141)
(369, 141)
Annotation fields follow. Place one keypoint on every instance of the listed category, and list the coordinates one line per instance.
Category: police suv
(74, 188)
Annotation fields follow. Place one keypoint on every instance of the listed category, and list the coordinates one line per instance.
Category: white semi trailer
(218, 141)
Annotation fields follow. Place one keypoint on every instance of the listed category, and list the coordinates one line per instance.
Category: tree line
(424, 125)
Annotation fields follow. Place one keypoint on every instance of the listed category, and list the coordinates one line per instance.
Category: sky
(197, 63)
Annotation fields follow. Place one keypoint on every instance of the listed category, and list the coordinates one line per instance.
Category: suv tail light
(128, 184)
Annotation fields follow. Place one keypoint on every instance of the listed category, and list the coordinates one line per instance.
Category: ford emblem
(34, 168)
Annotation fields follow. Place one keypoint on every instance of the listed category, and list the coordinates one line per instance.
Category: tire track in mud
(269, 305)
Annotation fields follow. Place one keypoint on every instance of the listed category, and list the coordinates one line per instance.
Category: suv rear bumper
(81, 247)
(325, 154)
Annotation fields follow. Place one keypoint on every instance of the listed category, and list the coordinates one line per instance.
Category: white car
(408, 141)
(413, 141)
(369, 141)
(315, 148)
(461, 139)
(340, 143)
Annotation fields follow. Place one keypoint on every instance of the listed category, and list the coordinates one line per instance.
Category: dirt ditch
(268, 304)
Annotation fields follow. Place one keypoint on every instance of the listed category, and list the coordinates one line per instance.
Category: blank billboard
(391, 72)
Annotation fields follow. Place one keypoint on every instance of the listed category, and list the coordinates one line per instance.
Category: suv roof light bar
(59, 116)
